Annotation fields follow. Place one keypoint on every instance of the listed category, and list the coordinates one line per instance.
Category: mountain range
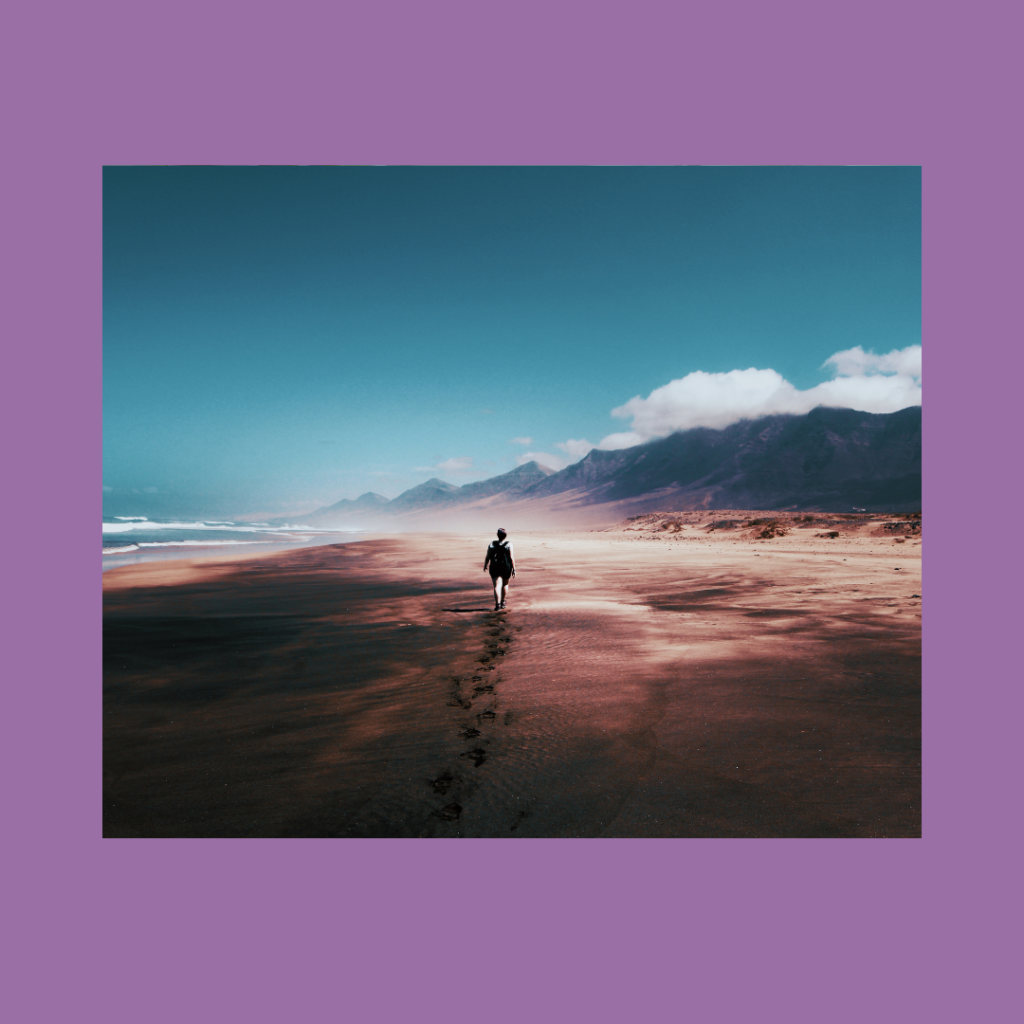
(829, 460)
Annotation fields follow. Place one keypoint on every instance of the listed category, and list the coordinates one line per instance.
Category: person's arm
(487, 558)
(512, 559)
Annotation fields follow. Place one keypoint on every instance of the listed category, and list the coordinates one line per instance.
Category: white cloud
(452, 467)
(624, 440)
(521, 440)
(863, 381)
(855, 362)
(575, 449)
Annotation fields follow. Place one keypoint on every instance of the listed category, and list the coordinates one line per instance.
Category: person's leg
(504, 593)
(496, 583)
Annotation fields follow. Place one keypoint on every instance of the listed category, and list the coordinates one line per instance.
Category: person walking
(502, 567)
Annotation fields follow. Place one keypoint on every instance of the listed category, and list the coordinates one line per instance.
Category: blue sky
(279, 338)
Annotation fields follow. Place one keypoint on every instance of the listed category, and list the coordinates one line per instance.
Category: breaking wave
(129, 539)
(129, 523)
(177, 544)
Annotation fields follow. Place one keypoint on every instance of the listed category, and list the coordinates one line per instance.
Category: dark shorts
(502, 576)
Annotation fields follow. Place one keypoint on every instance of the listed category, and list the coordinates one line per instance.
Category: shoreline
(164, 551)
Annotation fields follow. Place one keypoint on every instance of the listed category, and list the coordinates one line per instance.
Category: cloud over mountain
(575, 449)
(863, 381)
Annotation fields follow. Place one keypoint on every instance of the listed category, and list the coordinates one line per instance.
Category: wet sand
(651, 681)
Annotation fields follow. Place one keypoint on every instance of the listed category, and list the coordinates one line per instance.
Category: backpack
(501, 563)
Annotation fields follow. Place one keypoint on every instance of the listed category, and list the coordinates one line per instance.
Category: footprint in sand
(455, 698)
(469, 733)
(443, 782)
(478, 755)
(449, 813)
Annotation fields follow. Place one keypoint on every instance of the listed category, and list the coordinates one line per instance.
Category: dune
(682, 674)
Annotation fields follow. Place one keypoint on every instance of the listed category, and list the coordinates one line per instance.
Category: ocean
(128, 539)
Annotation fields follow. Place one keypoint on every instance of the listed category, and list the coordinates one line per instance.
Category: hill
(829, 460)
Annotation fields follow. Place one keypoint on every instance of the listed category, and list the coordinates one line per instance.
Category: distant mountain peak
(532, 467)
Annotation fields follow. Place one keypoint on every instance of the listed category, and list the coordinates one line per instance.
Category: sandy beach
(665, 677)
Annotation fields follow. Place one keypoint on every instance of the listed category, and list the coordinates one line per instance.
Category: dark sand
(641, 683)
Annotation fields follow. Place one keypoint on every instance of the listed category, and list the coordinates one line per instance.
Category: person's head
(501, 534)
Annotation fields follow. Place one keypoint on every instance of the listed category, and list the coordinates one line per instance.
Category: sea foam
(138, 523)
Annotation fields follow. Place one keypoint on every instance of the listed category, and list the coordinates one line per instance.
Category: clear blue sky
(279, 338)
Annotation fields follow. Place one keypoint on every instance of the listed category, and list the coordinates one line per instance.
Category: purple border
(709, 930)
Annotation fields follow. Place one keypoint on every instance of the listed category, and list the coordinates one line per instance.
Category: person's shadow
(484, 608)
